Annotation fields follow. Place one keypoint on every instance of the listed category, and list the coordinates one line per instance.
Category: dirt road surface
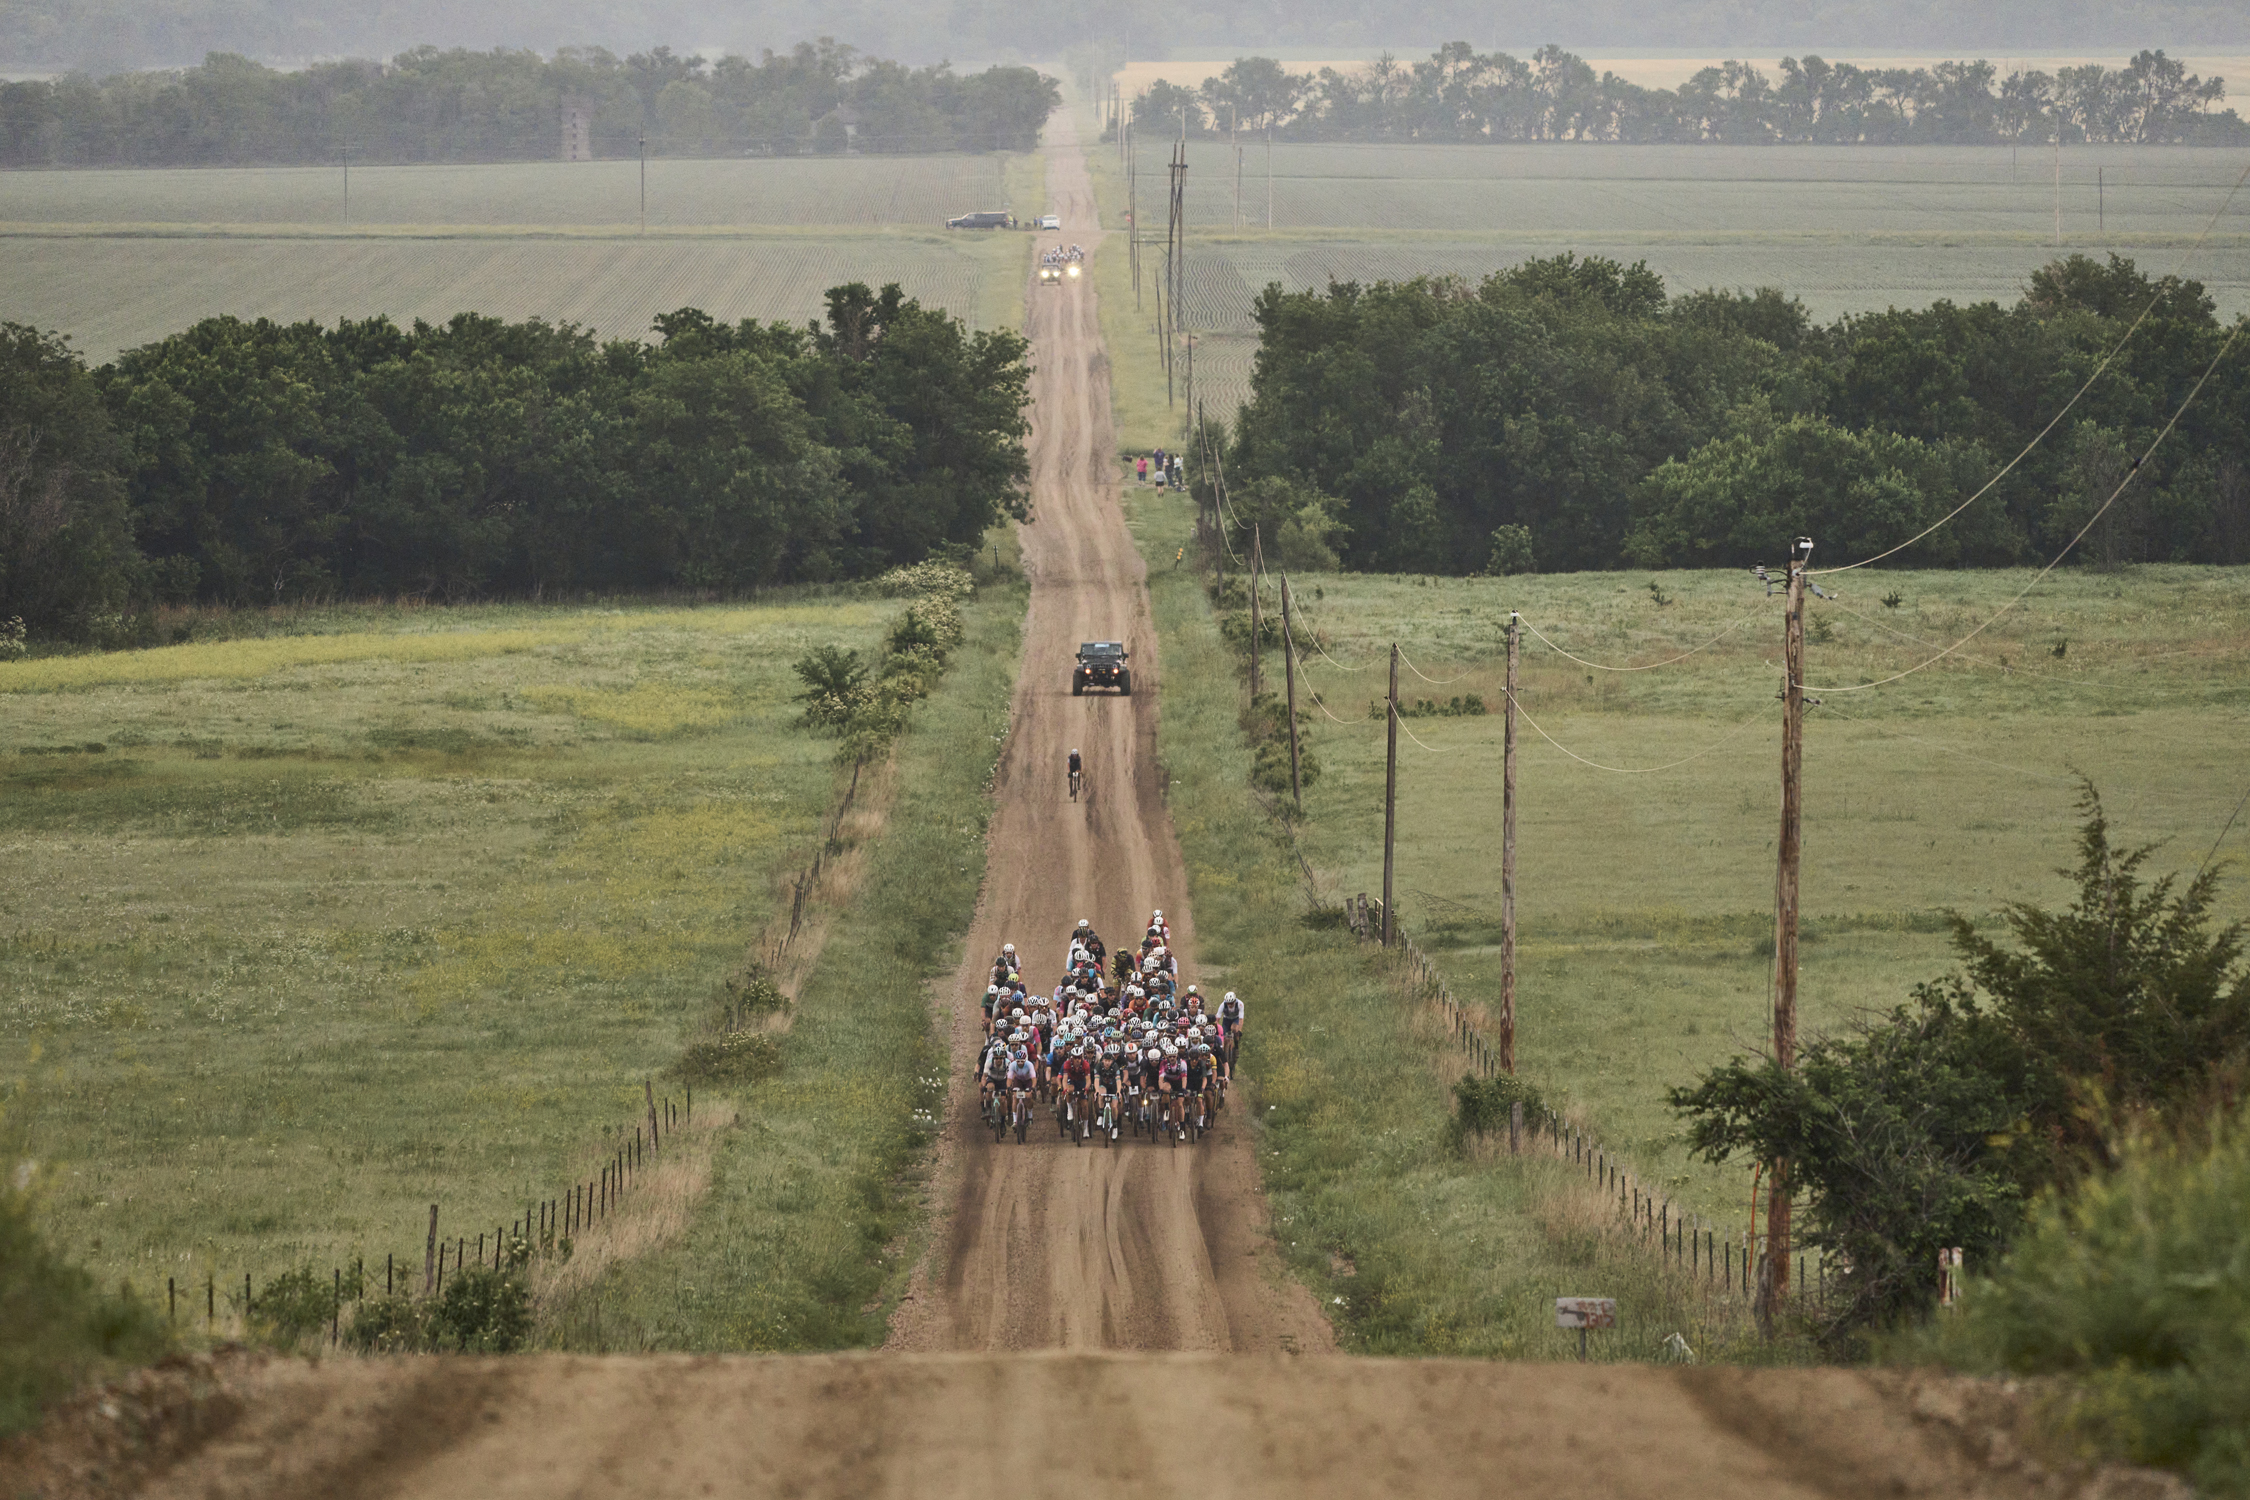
(1050, 1245)
(1090, 1322)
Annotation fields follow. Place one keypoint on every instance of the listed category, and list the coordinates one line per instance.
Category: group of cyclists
(1061, 257)
(1119, 1044)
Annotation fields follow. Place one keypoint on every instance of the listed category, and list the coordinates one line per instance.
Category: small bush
(933, 580)
(734, 1057)
(14, 641)
(481, 1311)
(749, 991)
(297, 1303)
(1482, 1105)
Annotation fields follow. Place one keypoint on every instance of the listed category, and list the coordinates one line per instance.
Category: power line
(1651, 666)
(1432, 681)
(2222, 838)
(1944, 748)
(2056, 562)
(2068, 406)
(1417, 739)
(1728, 738)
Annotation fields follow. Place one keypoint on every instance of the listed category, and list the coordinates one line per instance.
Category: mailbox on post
(1583, 1313)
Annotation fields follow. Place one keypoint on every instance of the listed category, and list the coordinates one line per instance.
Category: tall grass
(794, 1245)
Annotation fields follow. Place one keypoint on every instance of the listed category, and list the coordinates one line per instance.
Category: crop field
(1645, 895)
(1844, 229)
(912, 191)
(302, 933)
(116, 259)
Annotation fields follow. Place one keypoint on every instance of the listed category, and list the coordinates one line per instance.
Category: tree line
(430, 105)
(1460, 94)
(259, 462)
(1570, 414)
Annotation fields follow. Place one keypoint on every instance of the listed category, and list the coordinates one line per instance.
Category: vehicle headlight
(1074, 271)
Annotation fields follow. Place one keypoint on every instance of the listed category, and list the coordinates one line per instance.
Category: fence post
(1515, 1128)
(429, 1255)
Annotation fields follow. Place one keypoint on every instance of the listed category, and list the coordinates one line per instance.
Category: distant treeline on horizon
(429, 105)
(104, 36)
(1460, 94)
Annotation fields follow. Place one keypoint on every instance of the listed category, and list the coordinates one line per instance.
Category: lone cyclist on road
(1077, 770)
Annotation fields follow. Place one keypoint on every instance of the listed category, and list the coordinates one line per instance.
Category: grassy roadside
(798, 1243)
(1414, 1246)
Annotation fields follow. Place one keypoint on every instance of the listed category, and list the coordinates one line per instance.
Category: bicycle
(1077, 779)
(1106, 1120)
(1022, 1115)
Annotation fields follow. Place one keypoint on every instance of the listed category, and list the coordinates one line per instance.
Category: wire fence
(547, 1232)
(1725, 1262)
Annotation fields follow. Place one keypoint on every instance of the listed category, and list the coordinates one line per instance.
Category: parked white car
(1051, 221)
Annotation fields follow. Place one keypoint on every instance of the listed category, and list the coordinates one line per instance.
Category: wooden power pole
(1508, 863)
(1773, 1284)
(1289, 672)
(1390, 800)
(1257, 576)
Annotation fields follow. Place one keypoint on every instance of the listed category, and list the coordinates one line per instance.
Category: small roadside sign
(1582, 1313)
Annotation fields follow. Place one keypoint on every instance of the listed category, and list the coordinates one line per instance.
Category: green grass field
(119, 258)
(1844, 229)
(1645, 900)
(305, 932)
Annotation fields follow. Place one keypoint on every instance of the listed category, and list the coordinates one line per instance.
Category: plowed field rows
(1845, 229)
(917, 190)
(113, 293)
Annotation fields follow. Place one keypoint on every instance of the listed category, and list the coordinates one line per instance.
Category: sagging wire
(1648, 666)
(1941, 747)
(2222, 838)
(1426, 677)
(1720, 743)
(2056, 562)
(2044, 432)
(1417, 739)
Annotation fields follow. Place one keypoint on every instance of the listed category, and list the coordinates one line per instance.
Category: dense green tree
(260, 462)
(67, 561)
(1571, 397)
(1934, 1126)
(453, 104)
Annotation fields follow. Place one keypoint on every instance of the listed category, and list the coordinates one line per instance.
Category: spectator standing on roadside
(1144, 470)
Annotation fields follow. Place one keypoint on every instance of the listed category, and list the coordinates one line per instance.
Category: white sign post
(1583, 1313)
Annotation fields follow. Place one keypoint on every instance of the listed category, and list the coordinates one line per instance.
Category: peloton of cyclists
(1105, 1049)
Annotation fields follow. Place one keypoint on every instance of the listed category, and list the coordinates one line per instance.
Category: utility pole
(1269, 177)
(1191, 372)
(1163, 330)
(1390, 799)
(1773, 1284)
(1508, 862)
(644, 182)
(1234, 139)
(1289, 671)
(1132, 209)
(347, 184)
(2058, 187)
(2101, 200)
(1257, 577)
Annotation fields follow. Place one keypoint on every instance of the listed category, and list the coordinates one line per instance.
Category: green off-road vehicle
(1101, 664)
